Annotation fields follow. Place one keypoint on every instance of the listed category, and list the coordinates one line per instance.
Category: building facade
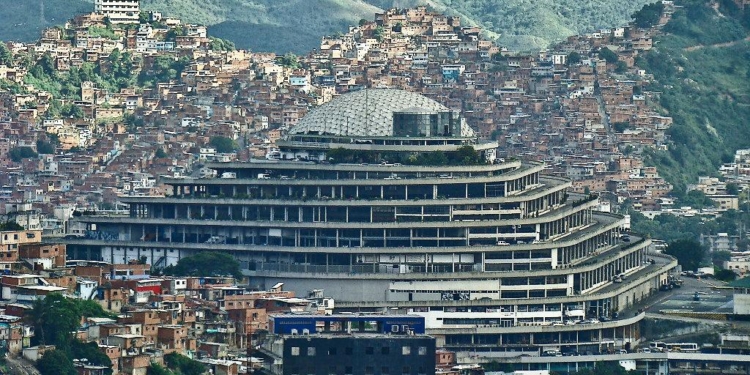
(119, 11)
(387, 200)
(345, 344)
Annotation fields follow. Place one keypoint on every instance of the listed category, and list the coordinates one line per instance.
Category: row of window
(311, 351)
(368, 370)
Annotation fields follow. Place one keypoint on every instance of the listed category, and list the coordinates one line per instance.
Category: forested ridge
(297, 25)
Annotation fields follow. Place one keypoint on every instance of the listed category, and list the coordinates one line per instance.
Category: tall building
(387, 200)
(119, 11)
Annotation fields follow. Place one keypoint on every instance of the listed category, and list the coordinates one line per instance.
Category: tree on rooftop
(466, 155)
(206, 263)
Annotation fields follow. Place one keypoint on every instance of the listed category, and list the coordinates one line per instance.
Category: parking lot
(709, 298)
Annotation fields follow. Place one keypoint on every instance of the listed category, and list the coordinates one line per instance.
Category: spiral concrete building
(403, 208)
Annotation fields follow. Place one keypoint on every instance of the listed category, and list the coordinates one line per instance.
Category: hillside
(525, 24)
(701, 68)
(297, 25)
(24, 20)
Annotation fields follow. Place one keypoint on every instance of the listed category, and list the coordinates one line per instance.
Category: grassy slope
(524, 24)
(24, 20)
(292, 25)
(701, 67)
(518, 23)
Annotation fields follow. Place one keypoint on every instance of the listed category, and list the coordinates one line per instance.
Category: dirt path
(717, 45)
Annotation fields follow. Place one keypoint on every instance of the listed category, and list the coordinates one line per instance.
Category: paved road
(20, 366)
(711, 299)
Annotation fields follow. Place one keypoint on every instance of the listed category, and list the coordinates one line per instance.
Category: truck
(264, 176)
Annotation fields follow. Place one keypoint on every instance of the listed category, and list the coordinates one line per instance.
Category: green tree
(10, 225)
(132, 121)
(54, 319)
(378, 33)
(621, 126)
(55, 362)
(6, 57)
(466, 155)
(90, 351)
(19, 153)
(608, 55)
(160, 153)
(649, 15)
(223, 144)
(174, 32)
(44, 147)
(289, 60)
(206, 263)
(696, 199)
(689, 253)
(621, 67)
(90, 309)
(157, 369)
(184, 365)
(733, 188)
(103, 32)
(721, 256)
(71, 110)
(164, 69)
(573, 58)
(724, 275)
(218, 44)
(143, 17)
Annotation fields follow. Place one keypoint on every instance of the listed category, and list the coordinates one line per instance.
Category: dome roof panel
(364, 113)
